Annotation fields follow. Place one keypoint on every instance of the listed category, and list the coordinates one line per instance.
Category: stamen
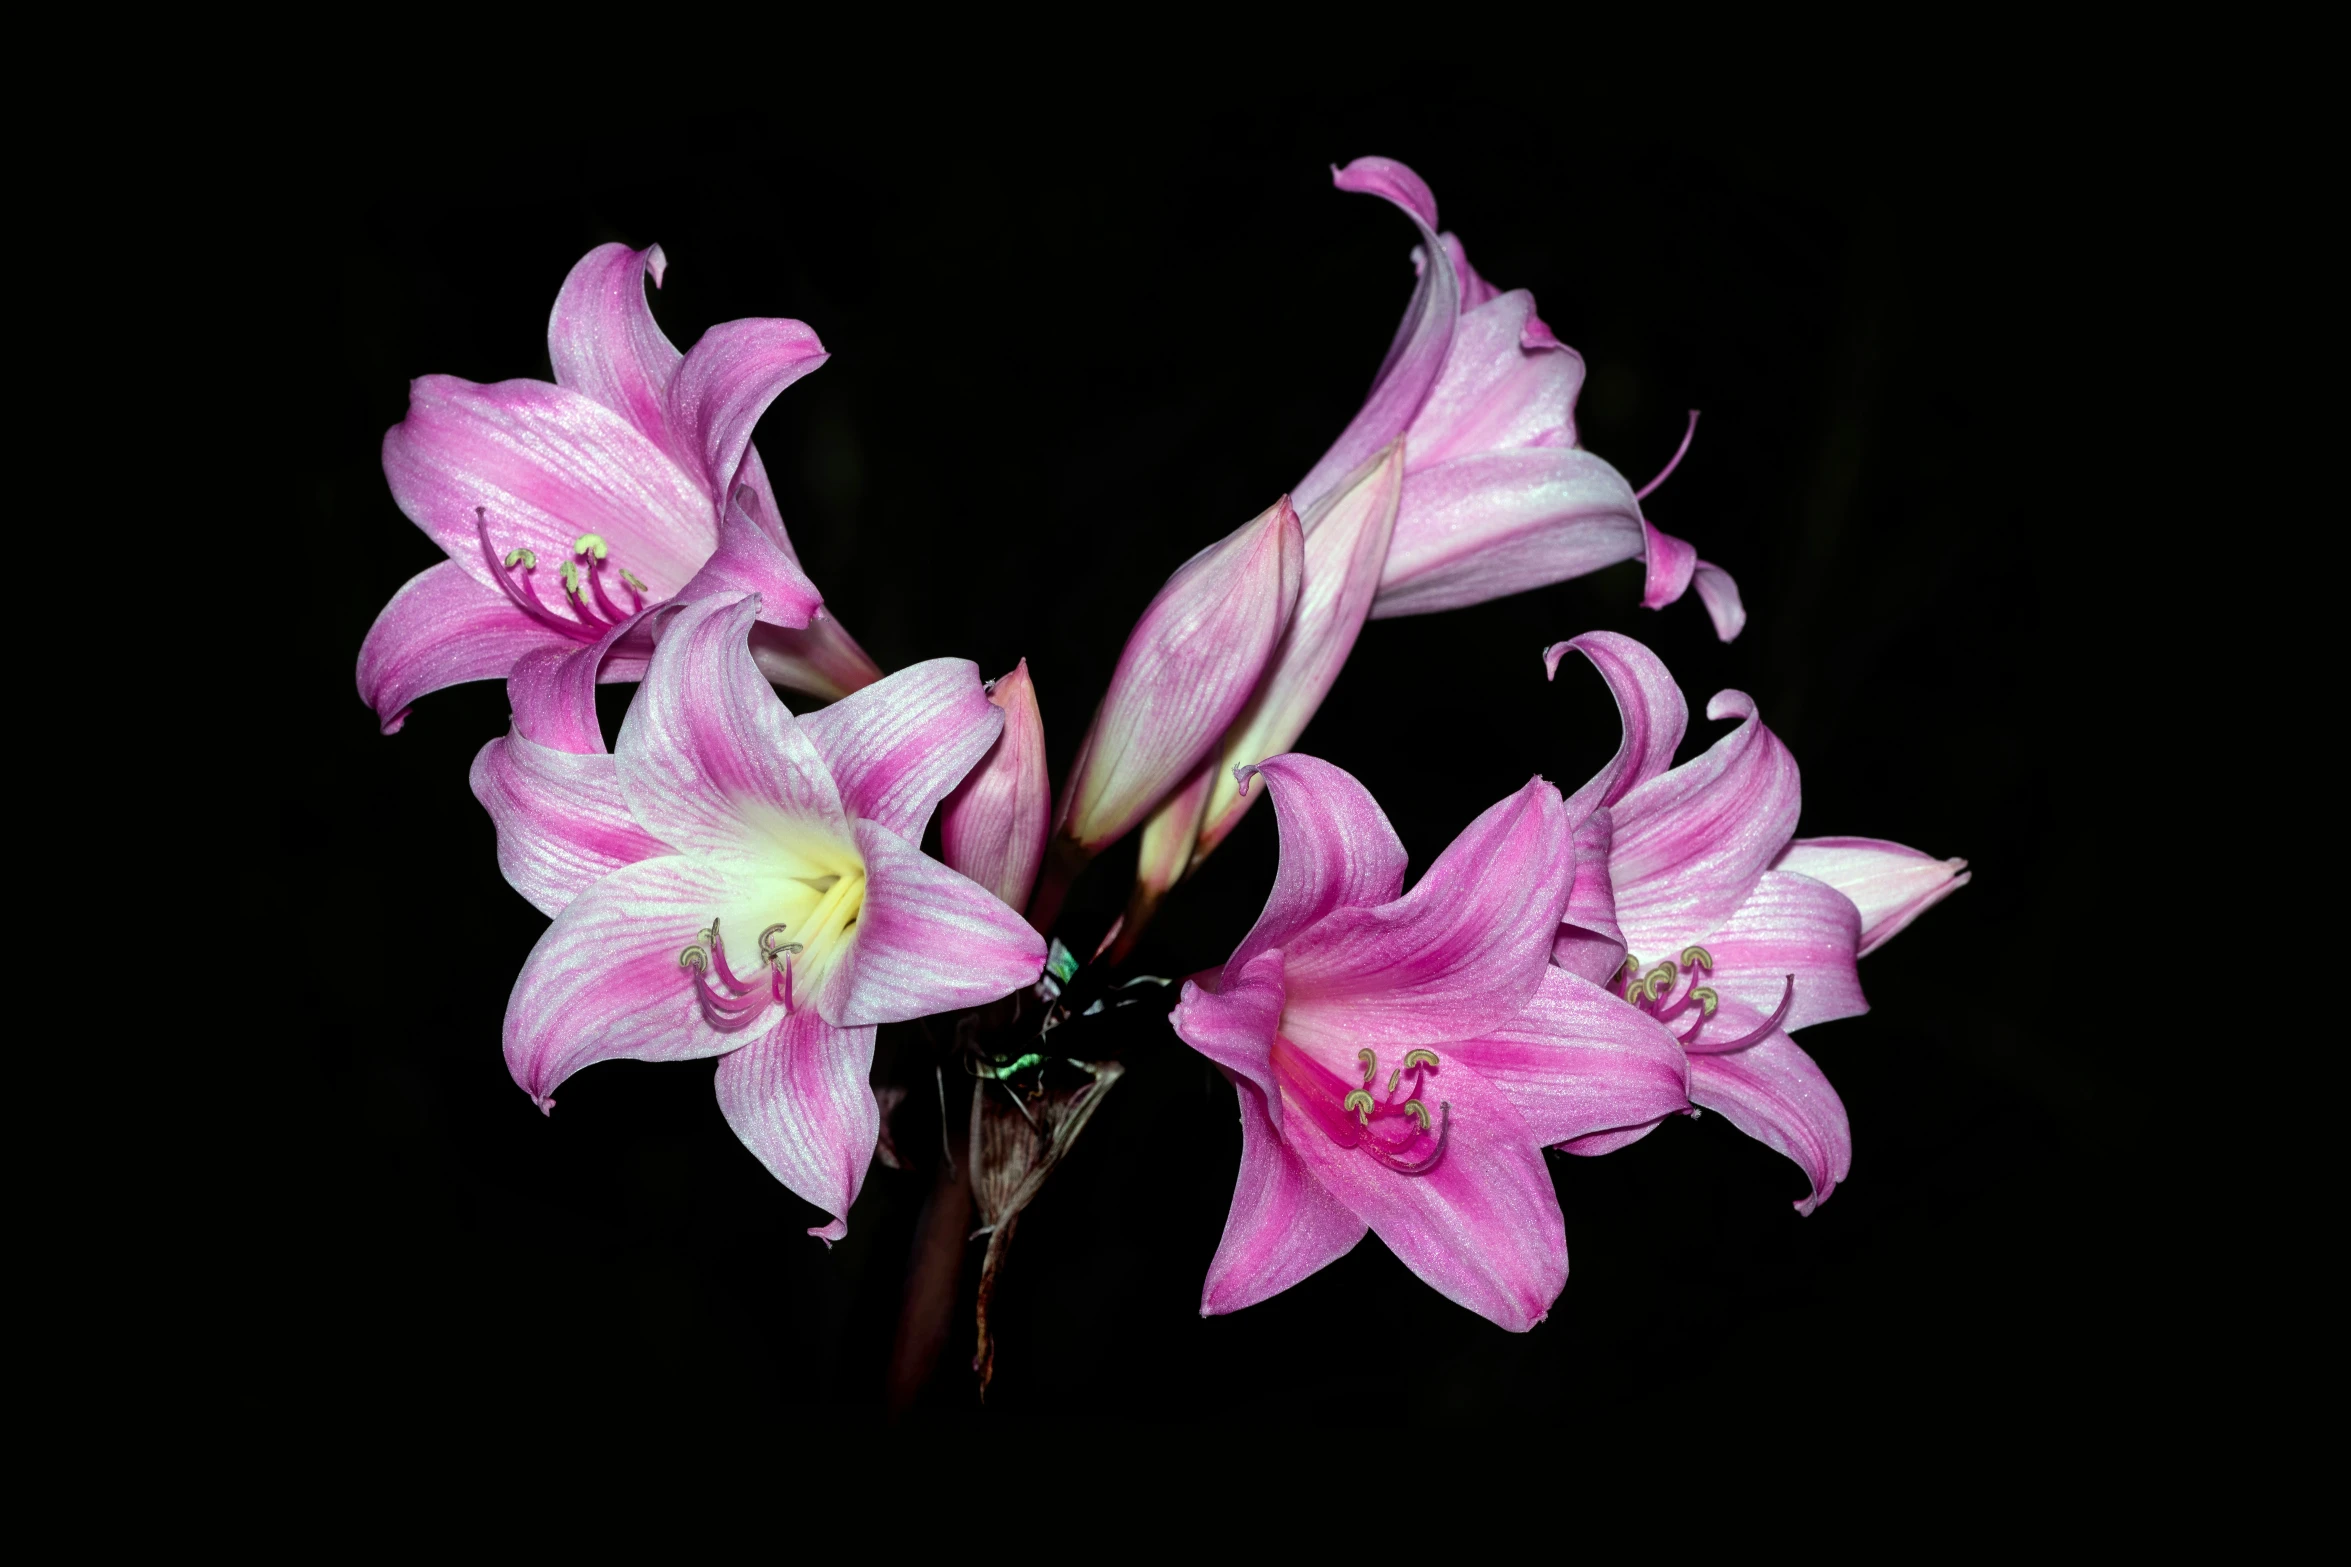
(1697, 958)
(1444, 1132)
(526, 559)
(1747, 1040)
(1360, 1102)
(1420, 1058)
(635, 586)
(1394, 1078)
(1370, 1064)
(1418, 1111)
(590, 544)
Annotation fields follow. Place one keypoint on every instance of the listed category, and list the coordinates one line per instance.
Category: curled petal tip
(656, 263)
(1386, 177)
(829, 1233)
(545, 1102)
(1551, 657)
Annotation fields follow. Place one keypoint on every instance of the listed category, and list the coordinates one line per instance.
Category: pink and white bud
(1188, 669)
(992, 828)
(1889, 883)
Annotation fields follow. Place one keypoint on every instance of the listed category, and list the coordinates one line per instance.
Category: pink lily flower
(1402, 1059)
(1686, 894)
(1498, 495)
(569, 509)
(992, 828)
(734, 881)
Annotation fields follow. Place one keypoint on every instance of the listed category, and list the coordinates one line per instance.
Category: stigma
(1660, 992)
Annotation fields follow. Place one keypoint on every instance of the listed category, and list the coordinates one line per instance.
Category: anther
(518, 556)
(694, 958)
(630, 578)
(590, 544)
(1394, 1078)
(1360, 1102)
(1707, 1000)
(1698, 957)
(571, 578)
(1370, 1064)
(1420, 1058)
(1418, 1111)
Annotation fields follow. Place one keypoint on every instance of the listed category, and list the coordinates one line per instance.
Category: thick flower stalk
(569, 509)
(1685, 893)
(734, 881)
(1402, 1059)
(1459, 480)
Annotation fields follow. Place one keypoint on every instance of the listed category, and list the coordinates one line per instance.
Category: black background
(1070, 347)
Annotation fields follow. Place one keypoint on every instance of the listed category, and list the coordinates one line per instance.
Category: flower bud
(992, 828)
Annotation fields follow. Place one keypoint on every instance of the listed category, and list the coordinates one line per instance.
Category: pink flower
(1687, 896)
(992, 828)
(1402, 1061)
(1498, 495)
(737, 882)
(568, 509)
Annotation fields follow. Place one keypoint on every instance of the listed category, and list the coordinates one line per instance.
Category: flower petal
(1497, 391)
(928, 940)
(562, 823)
(1189, 666)
(1460, 954)
(1283, 1226)
(551, 690)
(1579, 1061)
(1418, 352)
(1482, 1227)
(604, 981)
(748, 560)
(896, 747)
(1589, 945)
(1671, 562)
(1790, 927)
(605, 344)
(800, 1098)
(1889, 883)
(994, 824)
(1599, 1143)
(821, 658)
(441, 629)
(544, 466)
(1495, 523)
(1689, 845)
(1231, 1019)
(1650, 706)
(726, 383)
(1776, 1095)
(1720, 595)
(1345, 543)
(710, 761)
(1337, 851)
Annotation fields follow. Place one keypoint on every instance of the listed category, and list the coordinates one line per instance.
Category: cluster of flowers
(734, 880)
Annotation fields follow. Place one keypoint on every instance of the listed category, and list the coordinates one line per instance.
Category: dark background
(1070, 347)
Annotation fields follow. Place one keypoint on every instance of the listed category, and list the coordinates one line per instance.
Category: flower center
(790, 956)
(1660, 992)
(587, 610)
(1393, 1124)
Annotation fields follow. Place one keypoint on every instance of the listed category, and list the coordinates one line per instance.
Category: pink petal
(1789, 926)
(749, 560)
(1670, 565)
(1650, 706)
(1599, 1143)
(1418, 352)
(928, 940)
(441, 629)
(1495, 393)
(1338, 851)
(994, 823)
(1482, 1228)
(1460, 954)
(1231, 1019)
(726, 383)
(604, 982)
(1776, 1095)
(800, 1099)
(1495, 523)
(896, 747)
(1889, 883)
(605, 344)
(1588, 944)
(562, 824)
(1165, 851)
(1188, 667)
(1283, 1226)
(551, 690)
(1579, 1061)
(821, 659)
(1475, 290)
(1346, 541)
(545, 466)
(1720, 595)
(709, 760)
(1689, 845)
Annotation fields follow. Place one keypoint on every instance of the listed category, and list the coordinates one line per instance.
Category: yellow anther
(1707, 1000)
(589, 544)
(1632, 966)
(521, 557)
(1697, 957)
(1360, 1102)
(630, 578)
(1394, 1078)
(694, 959)
(1370, 1064)
(571, 579)
(1418, 1111)
(1660, 980)
(1420, 1058)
